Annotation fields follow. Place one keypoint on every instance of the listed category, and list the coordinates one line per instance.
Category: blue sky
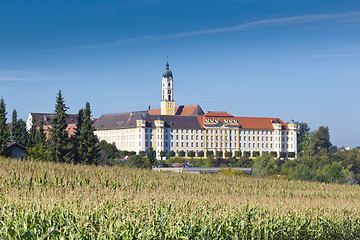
(293, 59)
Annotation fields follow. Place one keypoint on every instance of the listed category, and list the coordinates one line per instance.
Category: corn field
(44, 200)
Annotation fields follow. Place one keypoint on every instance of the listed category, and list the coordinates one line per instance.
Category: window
(182, 144)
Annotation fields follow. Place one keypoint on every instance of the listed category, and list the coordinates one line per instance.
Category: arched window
(169, 97)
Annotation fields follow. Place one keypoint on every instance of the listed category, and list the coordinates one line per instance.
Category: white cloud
(347, 16)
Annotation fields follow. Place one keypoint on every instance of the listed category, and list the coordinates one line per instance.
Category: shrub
(219, 154)
(39, 153)
(256, 154)
(191, 153)
(228, 154)
(200, 154)
(283, 154)
(181, 153)
(209, 153)
(247, 154)
(231, 172)
(238, 154)
(171, 154)
(291, 154)
(138, 162)
(162, 154)
(273, 154)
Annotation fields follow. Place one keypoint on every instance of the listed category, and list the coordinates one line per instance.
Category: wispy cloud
(345, 16)
(348, 16)
(334, 55)
(26, 76)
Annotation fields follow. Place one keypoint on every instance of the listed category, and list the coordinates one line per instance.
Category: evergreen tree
(76, 138)
(13, 127)
(23, 133)
(4, 129)
(40, 136)
(151, 154)
(32, 134)
(59, 137)
(18, 131)
(80, 120)
(87, 141)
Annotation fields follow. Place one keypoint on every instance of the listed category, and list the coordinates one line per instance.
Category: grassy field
(49, 200)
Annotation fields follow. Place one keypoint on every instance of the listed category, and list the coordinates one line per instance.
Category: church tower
(167, 100)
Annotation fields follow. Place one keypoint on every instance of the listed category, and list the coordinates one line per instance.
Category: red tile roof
(259, 123)
(244, 122)
(184, 110)
(217, 114)
(71, 122)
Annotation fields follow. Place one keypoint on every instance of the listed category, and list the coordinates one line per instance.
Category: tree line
(82, 147)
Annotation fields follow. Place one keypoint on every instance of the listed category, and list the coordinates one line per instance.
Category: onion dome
(167, 72)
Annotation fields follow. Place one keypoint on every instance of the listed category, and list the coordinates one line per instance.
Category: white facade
(213, 131)
(214, 139)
